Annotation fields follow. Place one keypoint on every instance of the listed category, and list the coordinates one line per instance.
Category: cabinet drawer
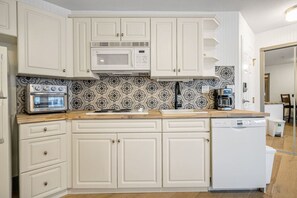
(185, 125)
(42, 129)
(41, 152)
(104, 126)
(43, 182)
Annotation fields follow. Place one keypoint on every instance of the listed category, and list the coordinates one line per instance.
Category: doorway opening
(277, 96)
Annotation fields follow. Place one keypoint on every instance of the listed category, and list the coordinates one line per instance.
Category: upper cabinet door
(163, 47)
(41, 42)
(8, 17)
(106, 29)
(81, 44)
(189, 45)
(135, 29)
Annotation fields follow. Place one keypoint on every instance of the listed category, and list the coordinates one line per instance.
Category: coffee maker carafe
(224, 99)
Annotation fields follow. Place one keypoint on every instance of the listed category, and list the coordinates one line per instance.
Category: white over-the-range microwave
(120, 57)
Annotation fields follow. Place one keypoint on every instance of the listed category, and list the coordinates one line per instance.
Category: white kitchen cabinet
(176, 55)
(135, 29)
(117, 29)
(42, 152)
(81, 45)
(43, 182)
(189, 47)
(139, 160)
(163, 47)
(8, 17)
(41, 42)
(183, 48)
(106, 29)
(186, 159)
(42, 159)
(94, 161)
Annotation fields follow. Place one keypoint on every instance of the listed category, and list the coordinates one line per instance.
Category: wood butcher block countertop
(153, 114)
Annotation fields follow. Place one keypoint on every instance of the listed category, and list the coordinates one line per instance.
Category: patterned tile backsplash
(132, 92)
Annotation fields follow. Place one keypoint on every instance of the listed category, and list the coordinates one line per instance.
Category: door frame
(262, 86)
(262, 67)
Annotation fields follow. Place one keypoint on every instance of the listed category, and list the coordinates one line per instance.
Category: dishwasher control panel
(238, 122)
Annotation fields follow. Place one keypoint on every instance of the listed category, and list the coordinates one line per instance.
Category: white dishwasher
(238, 153)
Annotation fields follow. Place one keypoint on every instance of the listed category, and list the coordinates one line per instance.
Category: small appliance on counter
(224, 99)
(46, 98)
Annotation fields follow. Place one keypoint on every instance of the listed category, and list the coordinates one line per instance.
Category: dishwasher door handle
(239, 127)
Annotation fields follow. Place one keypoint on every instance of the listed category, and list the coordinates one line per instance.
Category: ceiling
(261, 15)
(279, 56)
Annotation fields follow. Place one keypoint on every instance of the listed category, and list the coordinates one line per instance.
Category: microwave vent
(120, 44)
(114, 44)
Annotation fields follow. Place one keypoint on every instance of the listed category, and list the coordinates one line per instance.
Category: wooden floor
(283, 182)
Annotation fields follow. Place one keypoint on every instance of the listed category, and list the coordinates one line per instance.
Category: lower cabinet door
(94, 161)
(139, 160)
(186, 159)
(43, 182)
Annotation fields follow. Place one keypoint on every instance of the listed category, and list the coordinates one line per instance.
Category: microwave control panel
(142, 57)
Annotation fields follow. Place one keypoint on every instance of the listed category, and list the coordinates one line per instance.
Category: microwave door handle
(132, 57)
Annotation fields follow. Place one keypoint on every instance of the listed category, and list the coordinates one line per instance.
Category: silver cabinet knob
(45, 153)
(88, 70)
(174, 70)
(45, 129)
(122, 34)
(178, 70)
(118, 34)
(207, 140)
(64, 70)
(113, 141)
(45, 183)
(119, 141)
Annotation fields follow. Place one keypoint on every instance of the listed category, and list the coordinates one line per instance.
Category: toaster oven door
(47, 102)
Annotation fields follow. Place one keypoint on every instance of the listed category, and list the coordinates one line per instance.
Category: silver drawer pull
(45, 153)
(45, 183)
(45, 129)
(1, 140)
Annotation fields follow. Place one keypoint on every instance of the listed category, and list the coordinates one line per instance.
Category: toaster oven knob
(37, 88)
(53, 88)
(45, 88)
(60, 88)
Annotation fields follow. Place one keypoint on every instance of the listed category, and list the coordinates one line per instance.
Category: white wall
(274, 37)
(246, 67)
(281, 80)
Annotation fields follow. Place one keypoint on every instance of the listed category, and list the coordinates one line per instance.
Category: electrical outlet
(205, 89)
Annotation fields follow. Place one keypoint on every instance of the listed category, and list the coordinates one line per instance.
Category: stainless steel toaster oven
(46, 98)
